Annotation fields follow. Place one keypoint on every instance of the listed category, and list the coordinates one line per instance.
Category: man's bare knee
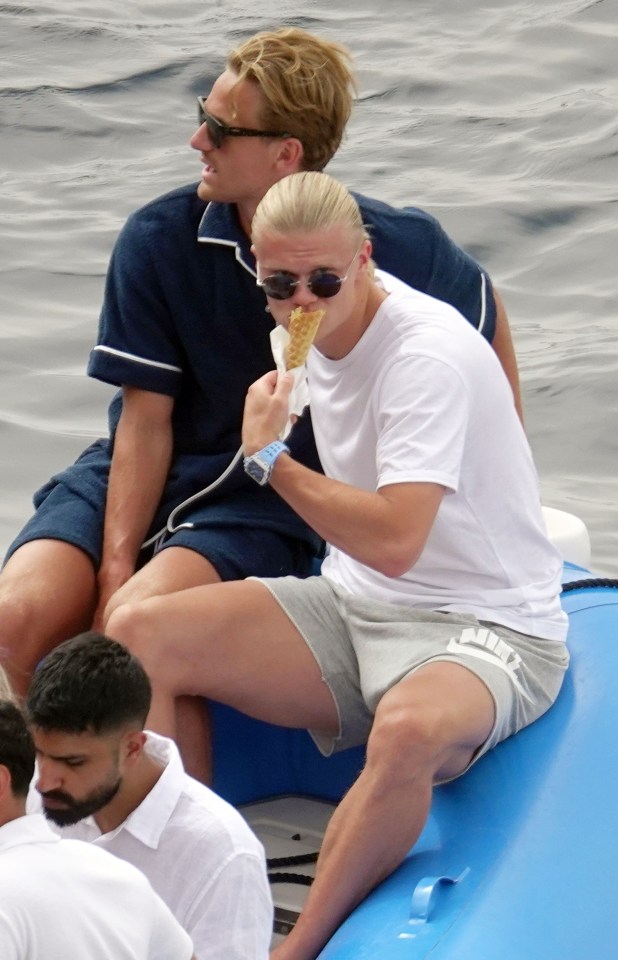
(406, 739)
(132, 625)
(47, 593)
(174, 569)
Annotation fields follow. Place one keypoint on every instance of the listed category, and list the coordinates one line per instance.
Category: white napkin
(299, 396)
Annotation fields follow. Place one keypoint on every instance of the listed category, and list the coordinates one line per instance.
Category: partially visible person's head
(86, 707)
(307, 86)
(16, 748)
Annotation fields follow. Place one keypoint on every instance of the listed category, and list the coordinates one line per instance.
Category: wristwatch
(259, 466)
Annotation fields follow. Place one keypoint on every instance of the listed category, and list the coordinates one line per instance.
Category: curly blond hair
(307, 85)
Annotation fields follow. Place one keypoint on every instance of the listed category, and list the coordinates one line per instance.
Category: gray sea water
(501, 119)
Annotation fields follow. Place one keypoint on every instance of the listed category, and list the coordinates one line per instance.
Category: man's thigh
(231, 642)
(168, 572)
(192, 558)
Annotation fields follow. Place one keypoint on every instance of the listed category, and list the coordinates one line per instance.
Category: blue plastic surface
(519, 857)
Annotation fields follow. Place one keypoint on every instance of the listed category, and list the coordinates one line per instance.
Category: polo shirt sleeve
(413, 246)
(137, 345)
(456, 278)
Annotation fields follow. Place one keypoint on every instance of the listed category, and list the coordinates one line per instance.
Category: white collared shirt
(62, 898)
(200, 856)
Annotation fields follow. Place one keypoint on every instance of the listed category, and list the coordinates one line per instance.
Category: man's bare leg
(47, 594)
(233, 643)
(426, 728)
(171, 570)
(230, 642)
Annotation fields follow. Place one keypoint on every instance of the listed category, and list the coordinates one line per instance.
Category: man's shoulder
(203, 813)
(180, 206)
(378, 214)
(406, 241)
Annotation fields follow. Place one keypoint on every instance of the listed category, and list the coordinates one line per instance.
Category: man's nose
(48, 777)
(201, 139)
(302, 295)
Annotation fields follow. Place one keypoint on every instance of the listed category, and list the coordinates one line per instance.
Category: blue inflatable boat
(519, 857)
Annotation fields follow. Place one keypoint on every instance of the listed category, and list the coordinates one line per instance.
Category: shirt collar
(32, 828)
(149, 819)
(220, 224)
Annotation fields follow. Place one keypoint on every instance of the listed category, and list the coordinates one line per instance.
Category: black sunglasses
(218, 131)
(322, 283)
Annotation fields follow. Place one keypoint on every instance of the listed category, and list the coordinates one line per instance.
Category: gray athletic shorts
(364, 647)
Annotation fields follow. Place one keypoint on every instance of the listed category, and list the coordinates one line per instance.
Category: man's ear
(290, 155)
(364, 254)
(6, 783)
(132, 745)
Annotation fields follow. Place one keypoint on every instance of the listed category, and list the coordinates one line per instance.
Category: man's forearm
(385, 529)
(137, 479)
(140, 465)
(505, 351)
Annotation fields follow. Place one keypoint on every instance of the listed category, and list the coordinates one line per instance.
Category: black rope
(293, 861)
(593, 582)
(290, 878)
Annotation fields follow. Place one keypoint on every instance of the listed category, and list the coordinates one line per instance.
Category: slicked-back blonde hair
(307, 84)
(307, 202)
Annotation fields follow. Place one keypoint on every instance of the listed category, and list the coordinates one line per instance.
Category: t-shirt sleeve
(136, 345)
(423, 420)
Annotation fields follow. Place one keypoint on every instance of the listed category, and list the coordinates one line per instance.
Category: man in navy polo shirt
(183, 332)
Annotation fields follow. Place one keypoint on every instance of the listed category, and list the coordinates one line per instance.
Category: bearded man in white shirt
(102, 778)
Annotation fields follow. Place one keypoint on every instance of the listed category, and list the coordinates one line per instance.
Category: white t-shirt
(422, 398)
(200, 856)
(62, 899)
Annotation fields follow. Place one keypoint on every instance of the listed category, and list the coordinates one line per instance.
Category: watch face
(256, 470)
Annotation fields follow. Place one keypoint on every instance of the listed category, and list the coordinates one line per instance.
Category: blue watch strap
(270, 453)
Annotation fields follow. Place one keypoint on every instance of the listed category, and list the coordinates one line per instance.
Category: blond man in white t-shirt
(436, 629)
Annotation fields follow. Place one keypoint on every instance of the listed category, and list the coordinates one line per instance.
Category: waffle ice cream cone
(302, 330)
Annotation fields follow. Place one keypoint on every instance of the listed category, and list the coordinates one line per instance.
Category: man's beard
(77, 810)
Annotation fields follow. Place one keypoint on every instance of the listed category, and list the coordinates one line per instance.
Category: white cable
(169, 526)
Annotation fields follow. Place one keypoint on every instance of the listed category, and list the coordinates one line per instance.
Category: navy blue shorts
(244, 530)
